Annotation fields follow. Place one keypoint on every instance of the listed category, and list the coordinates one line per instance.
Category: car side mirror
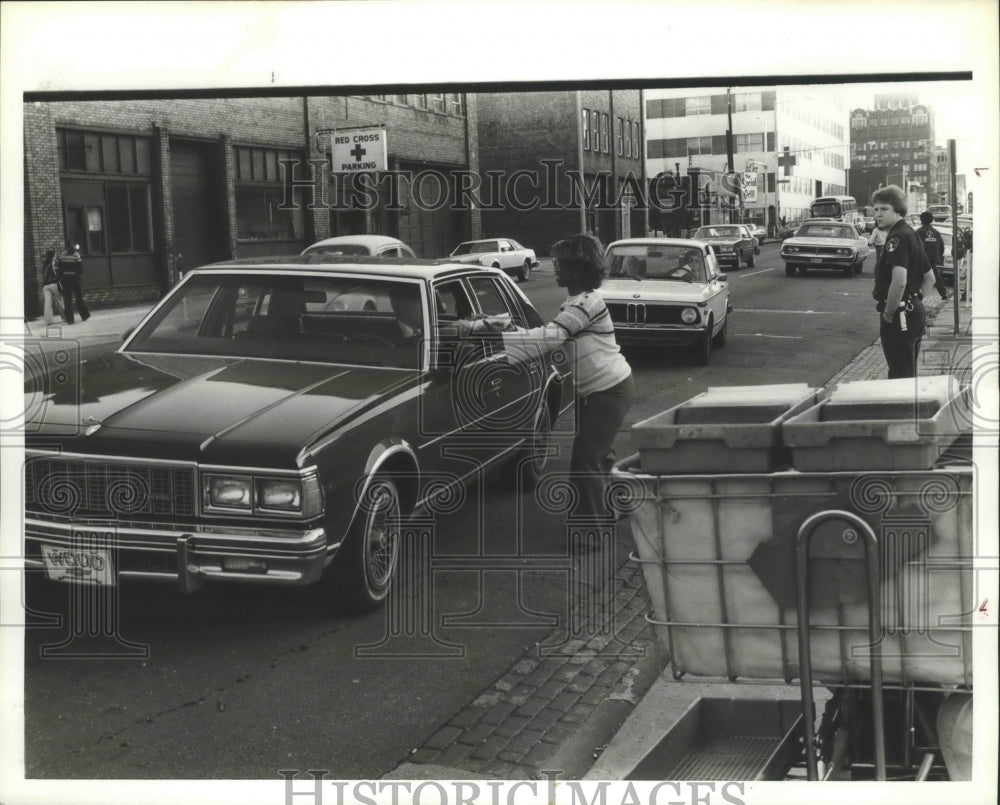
(723, 278)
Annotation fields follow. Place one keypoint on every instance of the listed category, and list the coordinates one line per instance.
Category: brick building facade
(541, 147)
(149, 187)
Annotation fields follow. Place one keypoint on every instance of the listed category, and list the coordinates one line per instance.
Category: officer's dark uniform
(934, 249)
(901, 347)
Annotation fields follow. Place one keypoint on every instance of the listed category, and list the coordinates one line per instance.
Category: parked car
(363, 245)
(667, 291)
(758, 232)
(825, 244)
(503, 253)
(748, 232)
(263, 425)
(867, 224)
(731, 243)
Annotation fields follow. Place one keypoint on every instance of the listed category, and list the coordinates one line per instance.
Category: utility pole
(730, 163)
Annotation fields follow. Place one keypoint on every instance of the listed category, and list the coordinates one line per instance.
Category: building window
(750, 142)
(605, 125)
(748, 102)
(94, 152)
(437, 102)
(635, 141)
(128, 217)
(619, 137)
(420, 101)
(699, 145)
(456, 103)
(260, 175)
(698, 106)
(586, 130)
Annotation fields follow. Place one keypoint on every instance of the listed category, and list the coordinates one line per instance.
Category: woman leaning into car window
(604, 385)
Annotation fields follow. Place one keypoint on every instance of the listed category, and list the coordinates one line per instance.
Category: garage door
(198, 190)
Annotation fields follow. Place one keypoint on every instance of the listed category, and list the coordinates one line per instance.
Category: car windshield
(656, 262)
(331, 319)
(827, 231)
(477, 247)
(339, 248)
(707, 232)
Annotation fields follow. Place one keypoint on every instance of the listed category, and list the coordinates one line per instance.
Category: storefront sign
(749, 188)
(354, 150)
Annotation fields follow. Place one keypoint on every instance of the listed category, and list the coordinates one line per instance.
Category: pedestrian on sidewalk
(70, 272)
(933, 243)
(902, 276)
(877, 239)
(604, 384)
(51, 290)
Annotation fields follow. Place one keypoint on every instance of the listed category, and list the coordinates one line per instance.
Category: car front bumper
(189, 556)
(665, 335)
(819, 261)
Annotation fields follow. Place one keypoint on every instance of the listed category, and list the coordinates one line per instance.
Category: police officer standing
(933, 248)
(902, 276)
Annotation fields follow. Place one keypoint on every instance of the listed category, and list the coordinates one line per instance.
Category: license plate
(80, 566)
(815, 259)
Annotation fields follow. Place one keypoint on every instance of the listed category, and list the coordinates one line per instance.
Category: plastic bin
(727, 739)
(734, 428)
(700, 540)
(866, 425)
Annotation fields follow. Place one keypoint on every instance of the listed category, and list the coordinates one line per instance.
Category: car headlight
(724, 248)
(689, 315)
(294, 496)
(790, 250)
(229, 492)
(845, 252)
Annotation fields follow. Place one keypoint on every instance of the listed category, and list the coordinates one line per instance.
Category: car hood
(202, 408)
(467, 258)
(657, 290)
(721, 241)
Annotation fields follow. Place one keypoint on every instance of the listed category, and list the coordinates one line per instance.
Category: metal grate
(82, 487)
(725, 757)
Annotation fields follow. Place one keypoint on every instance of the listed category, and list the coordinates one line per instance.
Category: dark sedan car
(274, 423)
(730, 242)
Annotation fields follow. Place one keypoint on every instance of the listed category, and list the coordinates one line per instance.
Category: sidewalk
(593, 710)
(103, 326)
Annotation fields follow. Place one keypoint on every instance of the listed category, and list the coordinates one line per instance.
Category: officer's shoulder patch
(892, 243)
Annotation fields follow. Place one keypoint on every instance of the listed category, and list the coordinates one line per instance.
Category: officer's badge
(892, 243)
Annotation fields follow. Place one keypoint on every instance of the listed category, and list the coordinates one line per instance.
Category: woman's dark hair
(892, 195)
(583, 255)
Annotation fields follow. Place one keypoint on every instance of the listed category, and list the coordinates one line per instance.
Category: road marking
(755, 273)
(795, 312)
(768, 335)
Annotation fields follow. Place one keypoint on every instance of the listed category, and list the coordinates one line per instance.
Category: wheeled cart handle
(857, 527)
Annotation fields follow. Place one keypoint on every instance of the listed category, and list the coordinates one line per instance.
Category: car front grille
(641, 313)
(77, 486)
(820, 251)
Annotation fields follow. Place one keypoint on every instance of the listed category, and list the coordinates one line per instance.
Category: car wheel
(701, 351)
(849, 270)
(524, 271)
(859, 265)
(720, 337)
(363, 571)
(752, 259)
(789, 270)
(529, 463)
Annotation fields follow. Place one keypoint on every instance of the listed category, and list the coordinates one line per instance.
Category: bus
(839, 208)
